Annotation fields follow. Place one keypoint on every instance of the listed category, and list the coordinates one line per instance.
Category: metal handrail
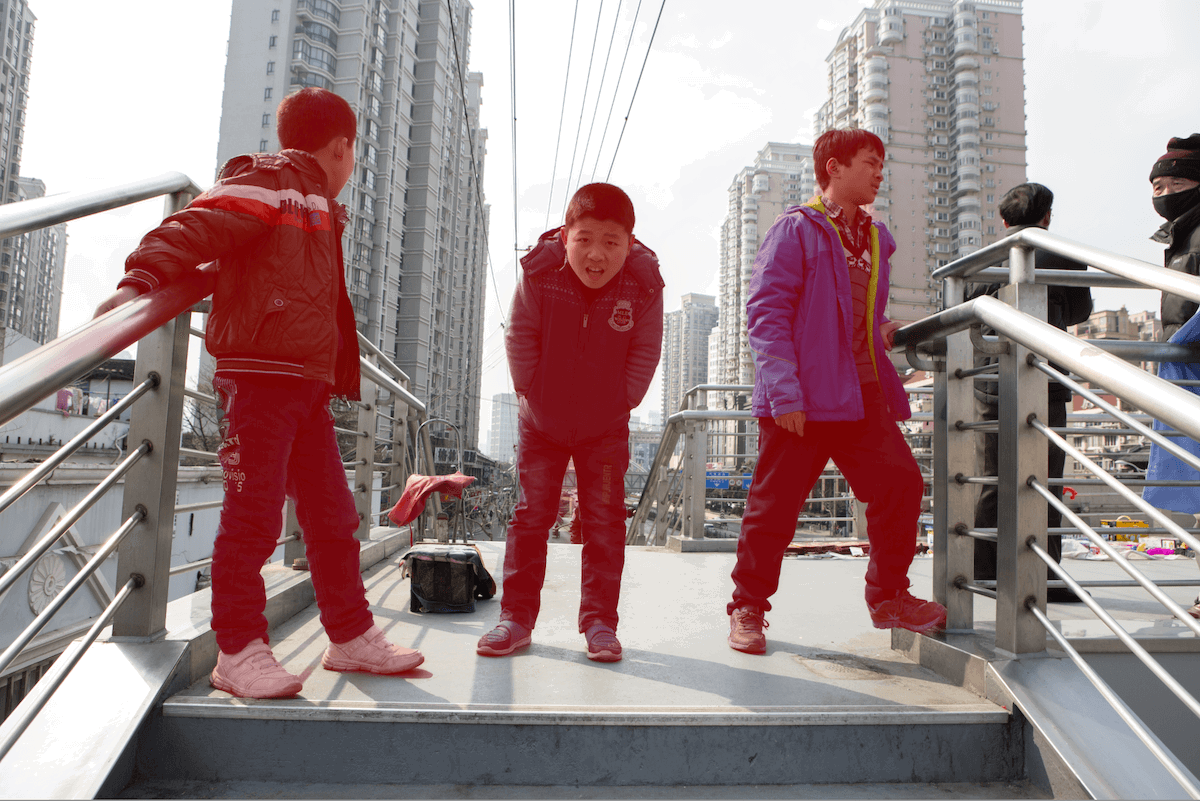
(27, 380)
(1120, 707)
(25, 562)
(25, 714)
(1140, 272)
(43, 212)
(1160, 399)
(31, 479)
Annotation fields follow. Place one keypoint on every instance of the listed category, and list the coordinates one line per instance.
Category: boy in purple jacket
(824, 388)
(583, 339)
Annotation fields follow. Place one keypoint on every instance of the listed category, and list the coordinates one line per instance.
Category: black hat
(1182, 159)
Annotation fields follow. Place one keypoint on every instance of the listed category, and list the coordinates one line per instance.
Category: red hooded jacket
(578, 368)
(280, 305)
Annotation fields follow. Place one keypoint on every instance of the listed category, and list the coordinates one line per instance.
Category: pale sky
(133, 89)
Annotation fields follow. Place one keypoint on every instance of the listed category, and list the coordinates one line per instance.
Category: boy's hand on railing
(888, 330)
(122, 295)
(792, 421)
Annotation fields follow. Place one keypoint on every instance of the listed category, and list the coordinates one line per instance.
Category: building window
(267, 93)
(271, 41)
(266, 123)
(262, 145)
(275, 15)
(270, 67)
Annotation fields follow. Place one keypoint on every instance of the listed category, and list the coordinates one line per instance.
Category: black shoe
(1062, 595)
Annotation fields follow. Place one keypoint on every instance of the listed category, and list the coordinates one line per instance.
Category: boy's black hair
(842, 145)
(312, 118)
(601, 202)
(1026, 204)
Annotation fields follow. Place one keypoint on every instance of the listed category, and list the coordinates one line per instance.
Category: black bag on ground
(446, 578)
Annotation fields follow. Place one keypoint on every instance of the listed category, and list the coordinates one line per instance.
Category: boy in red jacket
(583, 339)
(283, 334)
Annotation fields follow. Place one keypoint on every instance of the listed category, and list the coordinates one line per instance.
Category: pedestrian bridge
(1018, 698)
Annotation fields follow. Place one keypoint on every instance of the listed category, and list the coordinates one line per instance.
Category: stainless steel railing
(389, 417)
(1024, 346)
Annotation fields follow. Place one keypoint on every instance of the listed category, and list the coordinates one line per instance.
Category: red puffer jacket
(579, 369)
(280, 305)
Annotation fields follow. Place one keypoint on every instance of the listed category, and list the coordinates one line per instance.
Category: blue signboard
(720, 479)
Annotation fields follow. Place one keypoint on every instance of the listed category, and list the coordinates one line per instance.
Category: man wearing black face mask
(1176, 182)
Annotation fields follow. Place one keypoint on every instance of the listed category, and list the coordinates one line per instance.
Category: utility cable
(599, 92)
(616, 90)
(635, 89)
(462, 91)
(562, 111)
(512, 62)
(582, 105)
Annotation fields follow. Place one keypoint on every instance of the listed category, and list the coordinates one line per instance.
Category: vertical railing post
(151, 483)
(364, 457)
(695, 461)
(954, 455)
(293, 550)
(1021, 512)
(662, 487)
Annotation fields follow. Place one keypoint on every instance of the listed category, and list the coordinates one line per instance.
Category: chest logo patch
(622, 316)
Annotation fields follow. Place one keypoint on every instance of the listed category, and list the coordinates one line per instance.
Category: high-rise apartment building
(685, 348)
(782, 176)
(502, 436)
(35, 262)
(942, 84)
(416, 250)
(31, 265)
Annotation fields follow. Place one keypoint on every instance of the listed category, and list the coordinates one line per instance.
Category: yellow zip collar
(873, 285)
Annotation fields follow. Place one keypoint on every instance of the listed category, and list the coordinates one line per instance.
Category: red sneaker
(507, 637)
(746, 625)
(253, 672)
(903, 611)
(602, 643)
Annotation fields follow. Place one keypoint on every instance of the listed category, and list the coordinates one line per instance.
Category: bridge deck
(825, 663)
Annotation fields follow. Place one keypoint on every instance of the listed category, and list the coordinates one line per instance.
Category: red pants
(278, 439)
(600, 465)
(874, 458)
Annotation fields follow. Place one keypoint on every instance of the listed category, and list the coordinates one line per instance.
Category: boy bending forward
(583, 339)
(824, 388)
(283, 334)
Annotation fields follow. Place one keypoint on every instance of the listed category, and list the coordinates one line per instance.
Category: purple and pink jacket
(800, 317)
(579, 368)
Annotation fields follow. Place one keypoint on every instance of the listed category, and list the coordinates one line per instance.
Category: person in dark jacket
(1175, 181)
(283, 334)
(583, 339)
(1028, 206)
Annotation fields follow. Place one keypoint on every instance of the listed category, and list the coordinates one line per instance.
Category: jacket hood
(302, 161)
(551, 254)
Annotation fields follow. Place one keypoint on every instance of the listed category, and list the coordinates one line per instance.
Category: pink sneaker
(370, 652)
(906, 612)
(254, 672)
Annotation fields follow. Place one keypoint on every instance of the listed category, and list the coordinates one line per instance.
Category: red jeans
(277, 439)
(874, 458)
(600, 465)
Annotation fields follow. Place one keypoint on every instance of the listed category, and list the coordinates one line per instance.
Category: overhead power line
(635, 89)
(561, 112)
(582, 105)
(462, 91)
(599, 91)
(512, 72)
(616, 90)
